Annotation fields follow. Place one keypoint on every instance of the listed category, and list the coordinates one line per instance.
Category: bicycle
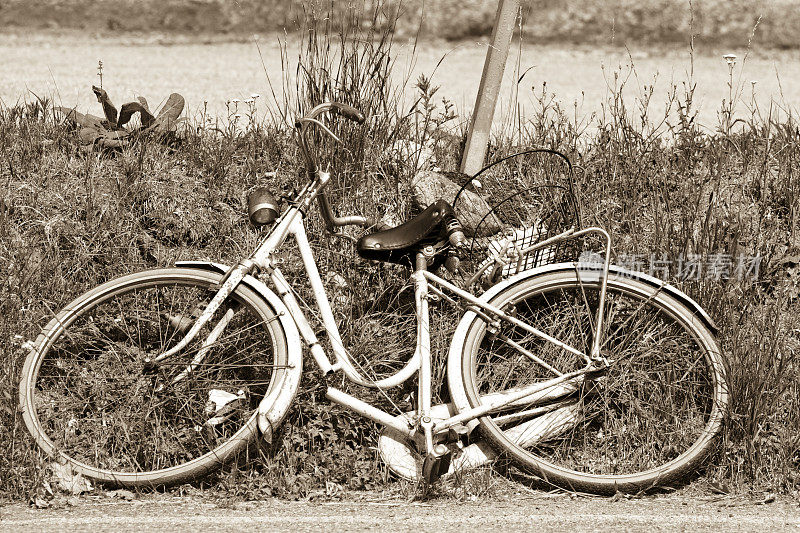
(594, 379)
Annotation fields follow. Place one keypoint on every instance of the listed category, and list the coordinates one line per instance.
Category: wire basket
(511, 206)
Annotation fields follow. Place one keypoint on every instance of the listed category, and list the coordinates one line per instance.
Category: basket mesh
(530, 199)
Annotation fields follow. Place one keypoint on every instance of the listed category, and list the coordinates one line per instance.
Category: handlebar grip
(348, 112)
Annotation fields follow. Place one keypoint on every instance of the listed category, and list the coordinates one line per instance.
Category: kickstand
(436, 464)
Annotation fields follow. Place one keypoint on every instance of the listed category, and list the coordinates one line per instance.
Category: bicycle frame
(291, 224)
(530, 360)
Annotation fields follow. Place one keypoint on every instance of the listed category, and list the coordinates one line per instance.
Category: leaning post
(489, 89)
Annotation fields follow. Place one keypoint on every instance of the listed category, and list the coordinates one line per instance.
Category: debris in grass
(336, 279)
(784, 274)
(768, 498)
(109, 133)
(719, 488)
(42, 496)
(122, 494)
(68, 480)
(39, 502)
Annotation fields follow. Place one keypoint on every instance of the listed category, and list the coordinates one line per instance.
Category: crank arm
(396, 449)
(536, 393)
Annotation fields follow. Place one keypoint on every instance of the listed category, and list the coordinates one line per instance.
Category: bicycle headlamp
(262, 206)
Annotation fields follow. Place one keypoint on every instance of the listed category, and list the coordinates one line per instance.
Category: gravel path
(526, 512)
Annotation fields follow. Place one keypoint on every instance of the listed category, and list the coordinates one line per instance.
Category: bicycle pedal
(436, 464)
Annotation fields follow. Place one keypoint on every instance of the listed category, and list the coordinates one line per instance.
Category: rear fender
(454, 371)
(656, 283)
(275, 405)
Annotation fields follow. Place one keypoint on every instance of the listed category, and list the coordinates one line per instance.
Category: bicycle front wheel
(89, 397)
(647, 421)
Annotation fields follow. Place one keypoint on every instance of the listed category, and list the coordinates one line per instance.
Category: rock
(408, 152)
(428, 186)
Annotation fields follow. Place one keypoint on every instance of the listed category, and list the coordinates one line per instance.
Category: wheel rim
(652, 415)
(94, 405)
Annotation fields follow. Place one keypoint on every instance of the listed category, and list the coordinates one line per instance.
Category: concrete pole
(489, 89)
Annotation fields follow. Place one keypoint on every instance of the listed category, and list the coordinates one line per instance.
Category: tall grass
(668, 191)
(70, 220)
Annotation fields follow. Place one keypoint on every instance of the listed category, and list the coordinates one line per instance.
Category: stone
(471, 209)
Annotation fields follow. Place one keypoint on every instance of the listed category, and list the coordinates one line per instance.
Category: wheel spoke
(95, 403)
(659, 397)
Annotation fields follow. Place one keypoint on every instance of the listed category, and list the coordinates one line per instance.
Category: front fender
(274, 406)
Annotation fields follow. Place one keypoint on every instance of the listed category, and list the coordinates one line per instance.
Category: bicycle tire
(87, 398)
(647, 423)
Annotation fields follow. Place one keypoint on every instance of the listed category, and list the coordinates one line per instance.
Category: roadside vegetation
(588, 21)
(71, 219)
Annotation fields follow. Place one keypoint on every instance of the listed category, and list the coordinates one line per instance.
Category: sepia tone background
(720, 21)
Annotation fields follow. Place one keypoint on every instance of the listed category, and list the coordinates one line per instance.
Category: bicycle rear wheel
(89, 398)
(647, 421)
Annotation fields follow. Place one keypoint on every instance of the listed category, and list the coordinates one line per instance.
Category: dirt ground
(539, 511)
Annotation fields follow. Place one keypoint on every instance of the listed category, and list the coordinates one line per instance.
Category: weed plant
(70, 220)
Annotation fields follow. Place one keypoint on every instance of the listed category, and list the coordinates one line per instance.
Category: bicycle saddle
(400, 244)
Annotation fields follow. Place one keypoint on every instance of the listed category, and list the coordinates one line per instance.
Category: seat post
(424, 345)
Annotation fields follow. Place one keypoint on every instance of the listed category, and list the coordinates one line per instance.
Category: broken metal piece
(222, 404)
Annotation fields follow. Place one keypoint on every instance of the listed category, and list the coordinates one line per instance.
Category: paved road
(63, 65)
(527, 513)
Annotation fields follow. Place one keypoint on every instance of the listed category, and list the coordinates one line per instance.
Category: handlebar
(347, 111)
(302, 124)
(455, 232)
